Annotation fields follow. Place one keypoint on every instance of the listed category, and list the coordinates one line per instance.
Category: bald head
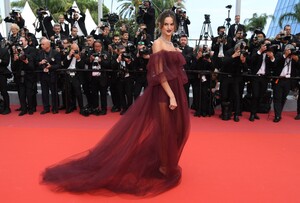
(45, 44)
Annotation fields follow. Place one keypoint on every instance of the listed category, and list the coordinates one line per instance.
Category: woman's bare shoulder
(157, 46)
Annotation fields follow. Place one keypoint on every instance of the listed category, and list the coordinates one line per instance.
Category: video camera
(12, 18)
(112, 18)
(41, 12)
(206, 52)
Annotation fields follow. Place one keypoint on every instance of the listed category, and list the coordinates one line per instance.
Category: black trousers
(140, 82)
(202, 98)
(298, 100)
(3, 90)
(26, 95)
(99, 84)
(230, 91)
(195, 88)
(259, 88)
(114, 91)
(125, 88)
(281, 89)
(46, 85)
(73, 90)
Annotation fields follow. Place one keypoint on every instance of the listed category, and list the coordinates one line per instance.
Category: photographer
(72, 80)
(103, 35)
(239, 36)
(234, 28)
(122, 63)
(235, 64)
(219, 47)
(64, 26)
(112, 48)
(287, 64)
(32, 41)
(76, 19)
(183, 22)
(57, 38)
(285, 37)
(262, 62)
(256, 40)
(202, 92)
(146, 15)
(24, 60)
(142, 36)
(44, 23)
(140, 65)
(188, 54)
(98, 60)
(15, 17)
(4, 75)
(48, 62)
(75, 38)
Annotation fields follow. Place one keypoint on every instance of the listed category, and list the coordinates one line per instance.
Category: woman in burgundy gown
(140, 154)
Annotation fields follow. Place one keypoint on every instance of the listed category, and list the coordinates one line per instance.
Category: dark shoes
(84, 112)
(22, 113)
(123, 111)
(70, 110)
(236, 118)
(44, 112)
(115, 109)
(297, 117)
(253, 117)
(54, 111)
(6, 111)
(276, 119)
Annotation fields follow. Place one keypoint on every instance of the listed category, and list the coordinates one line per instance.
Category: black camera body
(144, 51)
(111, 18)
(12, 18)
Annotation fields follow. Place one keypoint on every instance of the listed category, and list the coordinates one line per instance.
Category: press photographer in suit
(4, 74)
(188, 54)
(262, 63)
(72, 80)
(235, 64)
(76, 19)
(98, 60)
(146, 15)
(49, 61)
(24, 60)
(287, 64)
(219, 46)
(235, 27)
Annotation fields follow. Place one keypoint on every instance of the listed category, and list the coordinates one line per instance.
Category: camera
(244, 50)
(44, 65)
(126, 55)
(206, 52)
(111, 18)
(144, 51)
(207, 18)
(295, 51)
(41, 12)
(76, 52)
(12, 18)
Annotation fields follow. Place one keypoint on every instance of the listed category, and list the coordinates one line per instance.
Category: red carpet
(222, 162)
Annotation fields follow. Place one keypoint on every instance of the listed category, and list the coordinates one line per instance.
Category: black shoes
(276, 119)
(115, 109)
(54, 111)
(236, 118)
(22, 113)
(297, 117)
(123, 111)
(6, 111)
(253, 117)
(44, 112)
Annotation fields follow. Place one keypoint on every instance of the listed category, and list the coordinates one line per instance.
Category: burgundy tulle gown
(149, 136)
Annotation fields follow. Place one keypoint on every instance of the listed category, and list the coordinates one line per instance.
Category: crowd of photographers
(78, 64)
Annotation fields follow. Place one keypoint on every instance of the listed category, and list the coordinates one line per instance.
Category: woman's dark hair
(161, 18)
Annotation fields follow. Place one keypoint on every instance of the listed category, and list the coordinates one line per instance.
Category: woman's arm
(165, 85)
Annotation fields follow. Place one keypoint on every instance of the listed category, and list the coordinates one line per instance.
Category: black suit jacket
(231, 31)
(280, 62)
(80, 22)
(4, 56)
(256, 62)
(66, 30)
(46, 27)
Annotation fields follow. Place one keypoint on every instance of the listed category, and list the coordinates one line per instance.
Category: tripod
(206, 31)
(228, 19)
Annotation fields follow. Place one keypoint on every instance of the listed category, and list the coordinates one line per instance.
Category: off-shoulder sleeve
(163, 66)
